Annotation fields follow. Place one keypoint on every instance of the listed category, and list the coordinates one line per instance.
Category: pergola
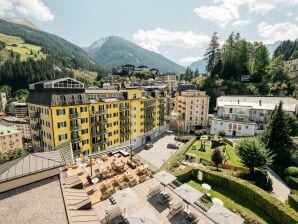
(164, 178)
(222, 215)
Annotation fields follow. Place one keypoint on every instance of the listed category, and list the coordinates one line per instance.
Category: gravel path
(280, 188)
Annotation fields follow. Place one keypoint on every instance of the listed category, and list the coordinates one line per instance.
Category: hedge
(280, 212)
(293, 201)
(291, 171)
(180, 152)
(292, 182)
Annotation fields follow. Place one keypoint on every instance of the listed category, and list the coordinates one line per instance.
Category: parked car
(148, 146)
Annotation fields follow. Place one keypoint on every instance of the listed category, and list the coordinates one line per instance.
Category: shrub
(260, 178)
(292, 182)
(291, 171)
(222, 133)
(293, 201)
(280, 212)
(183, 139)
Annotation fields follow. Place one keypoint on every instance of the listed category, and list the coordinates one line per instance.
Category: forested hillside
(237, 58)
(287, 49)
(28, 55)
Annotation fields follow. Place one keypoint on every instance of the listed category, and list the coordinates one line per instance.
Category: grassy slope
(235, 202)
(17, 44)
(88, 75)
(232, 157)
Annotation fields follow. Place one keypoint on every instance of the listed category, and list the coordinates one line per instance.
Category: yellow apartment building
(192, 106)
(61, 110)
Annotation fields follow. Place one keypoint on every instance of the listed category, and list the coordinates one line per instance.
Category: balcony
(97, 134)
(75, 139)
(36, 137)
(75, 127)
(36, 127)
(122, 108)
(125, 132)
(125, 116)
(96, 113)
(126, 125)
(36, 114)
(74, 115)
(98, 123)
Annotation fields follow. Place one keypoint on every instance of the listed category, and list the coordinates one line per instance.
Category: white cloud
(290, 14)
(33, 8)
(225, 12)
(241, 22)
(189, 60)
(154, 39)
(278, 31)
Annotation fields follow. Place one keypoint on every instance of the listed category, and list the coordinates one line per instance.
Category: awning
(164, 177)
(222, 215)
(188, 194)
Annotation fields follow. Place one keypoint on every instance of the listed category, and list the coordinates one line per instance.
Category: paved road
(159, 152)
(280, 188)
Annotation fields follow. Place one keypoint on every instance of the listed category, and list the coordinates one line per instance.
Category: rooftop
(15, 119)
(30, 164)
(4, 130)
(259, 102)
(39, 202)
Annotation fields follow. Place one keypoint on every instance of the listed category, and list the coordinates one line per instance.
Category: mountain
(272, 47)
(28, 55)
(200, 65)
(115, 51)
(62, 50)
(22, 21)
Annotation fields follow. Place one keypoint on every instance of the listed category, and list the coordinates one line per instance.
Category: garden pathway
(280, 188)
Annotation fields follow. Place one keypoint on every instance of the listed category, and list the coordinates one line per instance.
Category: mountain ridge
(114, 51)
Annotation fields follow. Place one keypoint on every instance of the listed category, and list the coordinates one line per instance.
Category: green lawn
(234, 202)
(232, 157)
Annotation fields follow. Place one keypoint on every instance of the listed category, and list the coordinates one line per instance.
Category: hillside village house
(246, 115)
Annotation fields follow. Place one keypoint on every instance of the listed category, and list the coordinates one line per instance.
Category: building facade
(22, 124)
(19, 110)
(192, 107)
(61, 110)
(292, 66)
(245, 115)
(10, 138)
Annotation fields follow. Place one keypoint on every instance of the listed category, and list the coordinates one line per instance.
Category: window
(85, 131)
(85, 142)
(62, 137)
(115, 123)
(83, 109)
(84, 120)
(60, 112)
(109, 125)
(110, 134)
(62, 124)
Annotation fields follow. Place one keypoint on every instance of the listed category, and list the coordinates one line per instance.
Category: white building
(3, 102)
(246, 115)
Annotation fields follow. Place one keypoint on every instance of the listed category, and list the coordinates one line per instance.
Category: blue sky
(179, 30)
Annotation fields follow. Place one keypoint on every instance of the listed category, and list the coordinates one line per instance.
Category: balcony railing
(125, 116)
(99, 133)
(36, 127)
(126, 125)
(74, 115)
(124, 108)
(75, 139)
(98, 123)
(36, 137)
(99, 112)
(75, 127)
(36, 114)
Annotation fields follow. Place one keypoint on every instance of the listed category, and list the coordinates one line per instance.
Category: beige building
(169, 78)
(10, 138)
(18, 109)
(292, 66)
(22, 124)
(192, 107)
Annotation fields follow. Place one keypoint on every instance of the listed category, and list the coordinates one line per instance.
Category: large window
(60, 112)
(62, 137)
(62, 124)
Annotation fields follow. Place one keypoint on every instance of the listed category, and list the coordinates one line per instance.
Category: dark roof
(30, 164)
(183, 87)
